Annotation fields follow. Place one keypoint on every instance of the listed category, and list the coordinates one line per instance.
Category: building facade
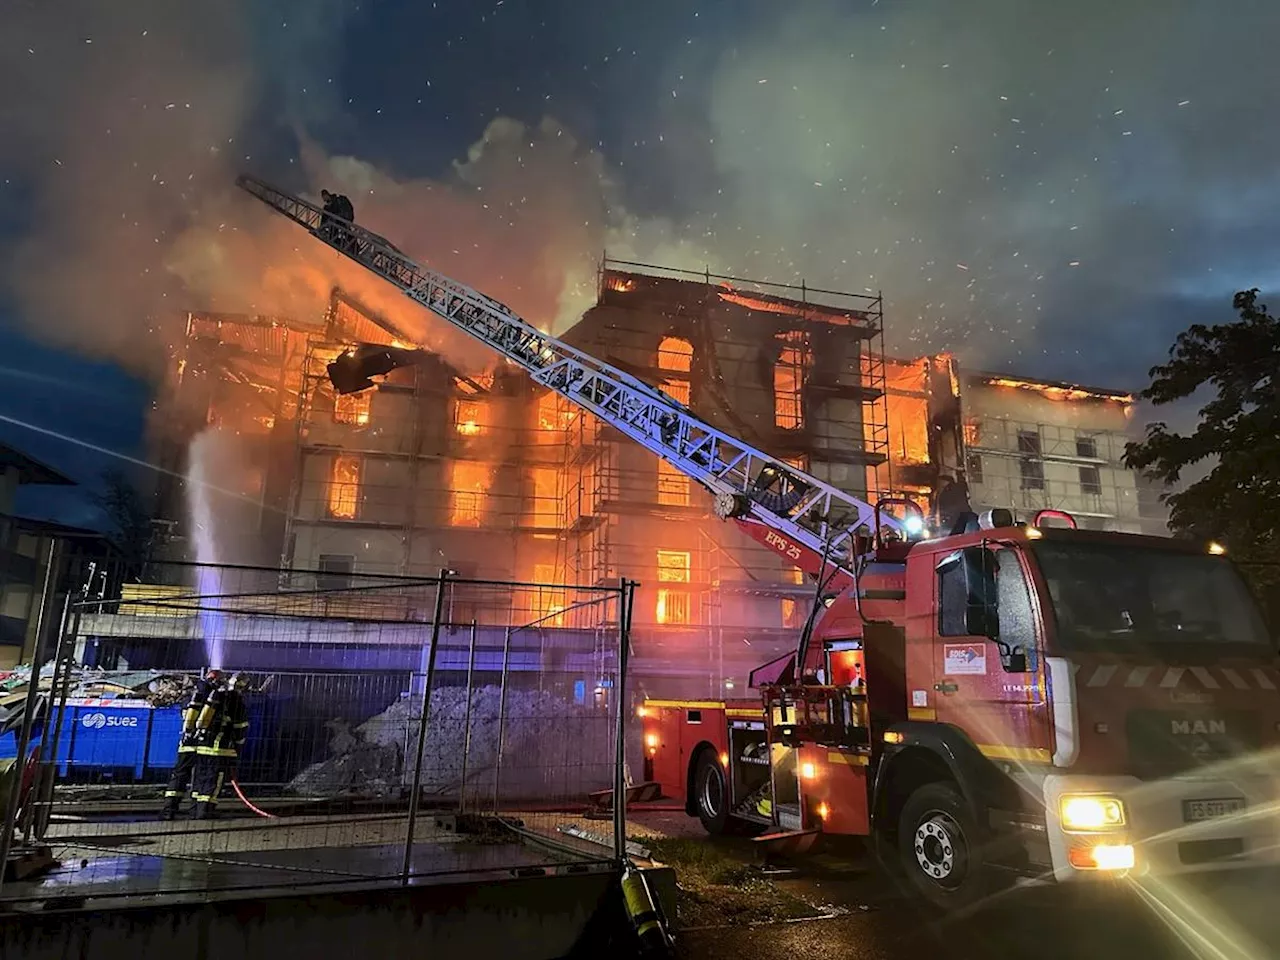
(482, 472)
(40, 561)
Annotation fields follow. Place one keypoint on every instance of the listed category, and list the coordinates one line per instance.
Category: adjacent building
(39, 560)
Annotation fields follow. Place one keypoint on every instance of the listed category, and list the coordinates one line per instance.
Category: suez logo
(96, 721)
(782, 545)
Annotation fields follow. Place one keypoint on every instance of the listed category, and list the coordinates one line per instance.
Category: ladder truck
(1008, 699)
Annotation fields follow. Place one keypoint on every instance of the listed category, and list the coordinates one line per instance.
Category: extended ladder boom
(805, 520)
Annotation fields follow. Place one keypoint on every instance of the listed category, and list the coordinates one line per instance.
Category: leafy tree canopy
(1237, 439)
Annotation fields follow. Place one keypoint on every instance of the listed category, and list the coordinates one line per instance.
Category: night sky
(1050, 188)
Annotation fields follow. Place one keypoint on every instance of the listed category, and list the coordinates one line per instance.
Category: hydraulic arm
(811, 523)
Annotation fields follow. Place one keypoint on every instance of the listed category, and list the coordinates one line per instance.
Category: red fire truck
(1006, 700)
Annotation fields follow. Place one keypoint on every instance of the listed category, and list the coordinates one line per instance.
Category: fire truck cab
(1008, 700)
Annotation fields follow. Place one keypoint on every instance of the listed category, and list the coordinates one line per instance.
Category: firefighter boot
(204, 810)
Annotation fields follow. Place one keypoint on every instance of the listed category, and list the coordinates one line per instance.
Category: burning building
(989, 440)
(483, 472)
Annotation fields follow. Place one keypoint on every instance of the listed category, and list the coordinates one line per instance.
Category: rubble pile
(551, 748)
(158, 688)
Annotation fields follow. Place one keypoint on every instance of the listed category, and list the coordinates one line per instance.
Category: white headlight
(1090, 812)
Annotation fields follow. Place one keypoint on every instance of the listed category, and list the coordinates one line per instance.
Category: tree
(128, 519)
(1237, 502)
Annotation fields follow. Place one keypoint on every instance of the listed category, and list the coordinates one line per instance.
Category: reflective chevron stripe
(1167, 678)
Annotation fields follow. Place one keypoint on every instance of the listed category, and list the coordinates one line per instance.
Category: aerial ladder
(817, 527)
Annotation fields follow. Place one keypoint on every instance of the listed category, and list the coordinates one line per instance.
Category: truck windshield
(1135, 597)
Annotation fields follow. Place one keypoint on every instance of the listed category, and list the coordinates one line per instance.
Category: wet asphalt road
(1242, 922)
(1236, 917)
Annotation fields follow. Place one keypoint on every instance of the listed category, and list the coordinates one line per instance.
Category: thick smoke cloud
(1057, 188)
(130, 143)
(1015, 176)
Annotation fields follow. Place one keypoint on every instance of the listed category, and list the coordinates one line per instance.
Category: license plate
(1196, 810)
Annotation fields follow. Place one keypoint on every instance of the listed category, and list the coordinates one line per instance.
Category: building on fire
(483, 472)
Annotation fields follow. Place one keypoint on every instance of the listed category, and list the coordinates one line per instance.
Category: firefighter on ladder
(181, 779)
(221, 729)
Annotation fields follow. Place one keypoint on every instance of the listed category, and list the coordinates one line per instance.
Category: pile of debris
(157, 687)
(551, 749)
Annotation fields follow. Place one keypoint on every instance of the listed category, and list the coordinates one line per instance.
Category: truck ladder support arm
(804, 514)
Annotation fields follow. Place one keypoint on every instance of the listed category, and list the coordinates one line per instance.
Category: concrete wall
(539, 918)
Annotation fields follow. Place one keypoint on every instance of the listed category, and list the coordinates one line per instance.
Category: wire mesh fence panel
(514, 683)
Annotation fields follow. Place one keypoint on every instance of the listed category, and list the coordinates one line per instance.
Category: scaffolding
(484, 472)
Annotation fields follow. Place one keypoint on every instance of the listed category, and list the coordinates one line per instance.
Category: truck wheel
(938, 845)
(710, 794)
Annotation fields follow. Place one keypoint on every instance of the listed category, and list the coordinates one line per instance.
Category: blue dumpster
(112, 739)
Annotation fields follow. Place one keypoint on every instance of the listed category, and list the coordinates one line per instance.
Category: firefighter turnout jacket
(222, 725)
(191, 713)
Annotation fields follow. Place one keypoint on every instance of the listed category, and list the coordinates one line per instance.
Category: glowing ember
(1059, 391)
(792, 308)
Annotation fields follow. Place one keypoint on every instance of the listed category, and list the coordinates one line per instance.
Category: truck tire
(710, 794)
(940, 849)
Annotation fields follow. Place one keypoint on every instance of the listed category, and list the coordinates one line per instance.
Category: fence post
(625, 591)
(45, 755)
(23, 739)
(502, 717)
(466, 722)
(423, 716)
(61, 688)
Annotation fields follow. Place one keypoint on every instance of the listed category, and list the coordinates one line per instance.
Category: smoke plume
(132, 139)
(1019, 179)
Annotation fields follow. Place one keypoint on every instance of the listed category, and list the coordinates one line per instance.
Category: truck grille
(1166, 742)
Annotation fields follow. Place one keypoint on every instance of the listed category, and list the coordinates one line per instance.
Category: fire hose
(235, 785)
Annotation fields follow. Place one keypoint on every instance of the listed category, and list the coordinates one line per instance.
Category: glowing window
(546, 509)
(676, 355)
(555, 417)
(467, 483)
(673, 604)
(352, 407)
(468, 417)
(793, 575)
(673, 486)
(788, 380)
(672, 607)
(344, 487)
(791, 614)
(548, 604)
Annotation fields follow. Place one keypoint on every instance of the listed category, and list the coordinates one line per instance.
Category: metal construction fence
(399, 729)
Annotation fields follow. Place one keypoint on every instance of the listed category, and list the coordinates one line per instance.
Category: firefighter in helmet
(221, 729)
(180, 780)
